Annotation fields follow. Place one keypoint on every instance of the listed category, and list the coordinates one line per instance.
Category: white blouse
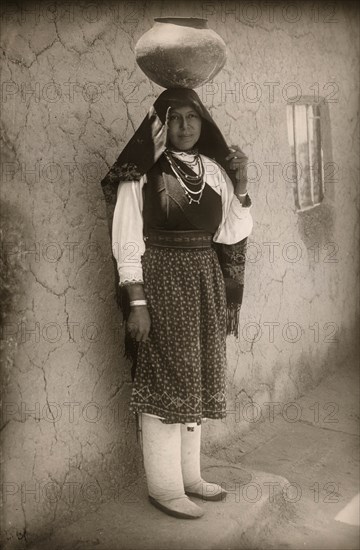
(127, 228)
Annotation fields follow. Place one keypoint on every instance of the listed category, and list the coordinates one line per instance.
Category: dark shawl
(140, 154)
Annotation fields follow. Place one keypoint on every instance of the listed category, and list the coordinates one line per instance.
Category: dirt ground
(314, 444)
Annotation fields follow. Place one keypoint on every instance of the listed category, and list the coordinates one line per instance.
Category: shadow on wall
(11, 233)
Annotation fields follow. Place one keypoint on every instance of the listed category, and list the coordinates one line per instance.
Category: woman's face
(184, 127)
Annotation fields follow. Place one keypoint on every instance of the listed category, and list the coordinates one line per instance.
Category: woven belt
(179, 239)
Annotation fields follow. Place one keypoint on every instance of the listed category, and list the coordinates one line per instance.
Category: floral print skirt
(180, 373)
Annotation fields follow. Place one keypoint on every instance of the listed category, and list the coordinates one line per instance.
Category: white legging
(171, 457)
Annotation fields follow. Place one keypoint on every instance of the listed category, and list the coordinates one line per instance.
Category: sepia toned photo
(179, 270)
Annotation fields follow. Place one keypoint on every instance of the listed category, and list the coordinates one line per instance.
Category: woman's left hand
(238, 162)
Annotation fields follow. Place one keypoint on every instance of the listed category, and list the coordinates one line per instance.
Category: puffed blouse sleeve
(237, 222)
(128, 243)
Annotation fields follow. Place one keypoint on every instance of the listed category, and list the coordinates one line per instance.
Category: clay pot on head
(180, 52)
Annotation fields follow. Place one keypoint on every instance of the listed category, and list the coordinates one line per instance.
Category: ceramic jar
(180, 52)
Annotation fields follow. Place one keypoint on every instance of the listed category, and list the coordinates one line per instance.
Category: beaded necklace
(184, 178)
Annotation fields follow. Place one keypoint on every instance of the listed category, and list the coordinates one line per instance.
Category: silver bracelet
(242, 194)
(138, 303)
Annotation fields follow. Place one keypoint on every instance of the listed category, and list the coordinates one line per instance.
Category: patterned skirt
(180, 373)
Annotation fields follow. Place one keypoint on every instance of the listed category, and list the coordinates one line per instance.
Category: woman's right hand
(138, 324)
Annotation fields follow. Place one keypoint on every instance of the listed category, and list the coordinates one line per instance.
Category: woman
(179, 228)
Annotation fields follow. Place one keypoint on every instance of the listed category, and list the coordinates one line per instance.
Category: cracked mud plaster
(72, 96)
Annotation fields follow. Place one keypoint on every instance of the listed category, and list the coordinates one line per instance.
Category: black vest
(167, 207)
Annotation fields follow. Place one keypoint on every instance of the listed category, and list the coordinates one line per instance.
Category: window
(304, 132)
